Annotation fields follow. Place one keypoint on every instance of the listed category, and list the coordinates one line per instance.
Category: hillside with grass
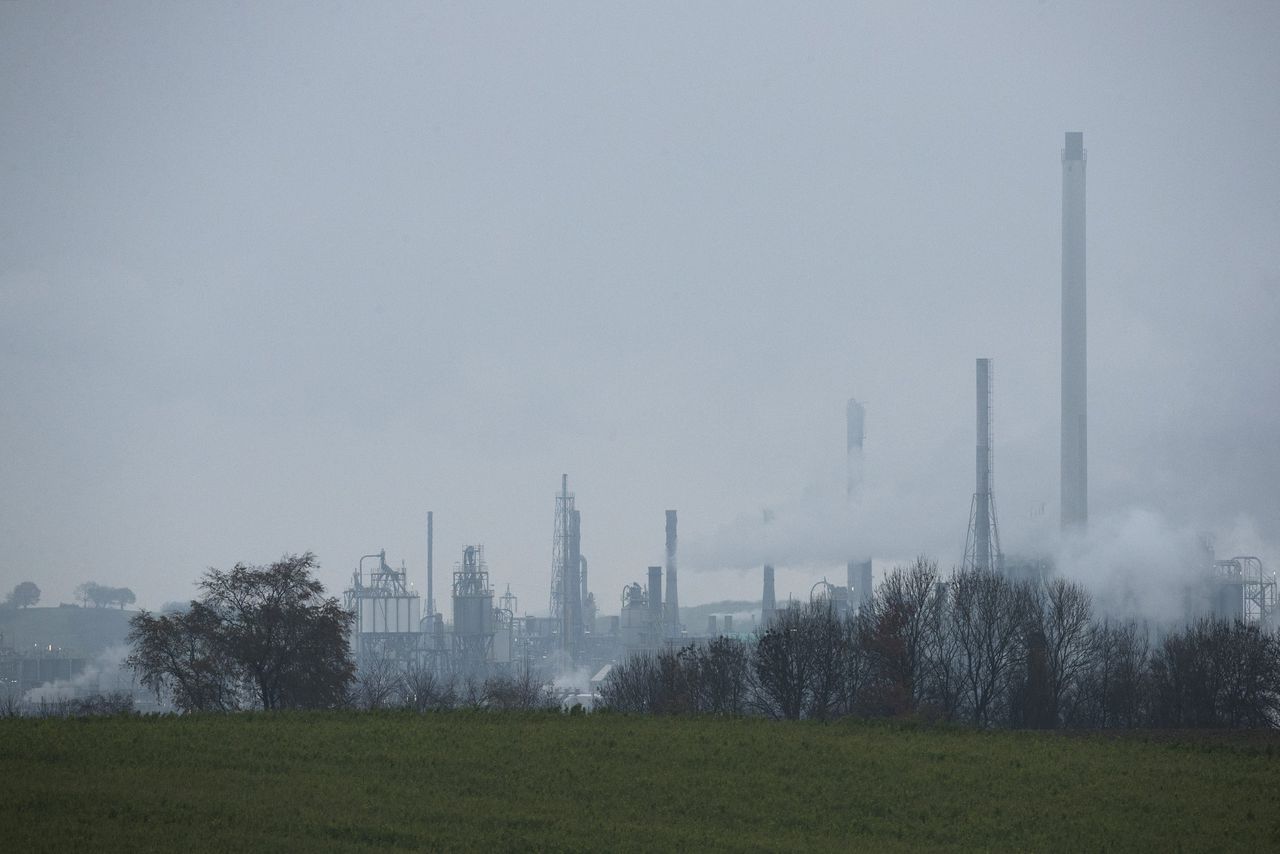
(380, 781)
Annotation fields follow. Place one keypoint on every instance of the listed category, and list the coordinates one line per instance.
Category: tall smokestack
(982, 543)
(573, 586)
(673, 594)
(855, 415)
(769, 602)
(1075, 445)
(859, 577)
(982, 489)
(655, 604)
(431, 601)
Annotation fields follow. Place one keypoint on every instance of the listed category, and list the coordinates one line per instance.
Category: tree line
(972, 647)
(27, 593)
(102, 595)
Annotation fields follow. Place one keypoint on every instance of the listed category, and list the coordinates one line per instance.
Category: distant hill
(694, 617)
(727, 606)
(82, 631)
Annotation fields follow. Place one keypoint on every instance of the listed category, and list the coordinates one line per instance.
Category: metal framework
(1257, 587)
(837, 598)
(567, 586)
(982, 542)
(560, 547)
(387, 626)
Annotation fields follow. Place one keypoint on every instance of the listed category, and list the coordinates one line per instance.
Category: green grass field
(348, 781)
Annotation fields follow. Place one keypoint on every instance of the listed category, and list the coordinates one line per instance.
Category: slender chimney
(431, 601)
(573, 587)
(855, 417)
(673, 595)
(769, 603)
(1075, 445)
(655, 604)
(982, 542)
(859, 577)
(982, 490)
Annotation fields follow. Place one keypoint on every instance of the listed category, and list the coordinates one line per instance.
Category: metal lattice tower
(982, 543)
(560, 547)
(566, 571)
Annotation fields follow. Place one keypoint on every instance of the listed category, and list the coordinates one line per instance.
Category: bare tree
(854, 670)
(987, 618)
(425, 690)
(798, 663)
(1064, 611)
(783, 663)
(1115, 690)
(522, 691)
(378, 685)
(632, 685)
(895, 638)
(1217, 674)
(720, 677)
(944, 684)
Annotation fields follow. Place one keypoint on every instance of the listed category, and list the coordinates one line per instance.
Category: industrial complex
(478, 633)
(472, 631)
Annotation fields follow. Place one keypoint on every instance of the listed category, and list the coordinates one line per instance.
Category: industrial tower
(566, 568)
(473, 618)
(982, 544)
(1075, 443)
(769, 601)
(673, 595)
(859, 571)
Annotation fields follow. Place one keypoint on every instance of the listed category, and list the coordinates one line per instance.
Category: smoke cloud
(106, 674)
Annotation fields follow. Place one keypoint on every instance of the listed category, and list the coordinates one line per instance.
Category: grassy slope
(348, 781)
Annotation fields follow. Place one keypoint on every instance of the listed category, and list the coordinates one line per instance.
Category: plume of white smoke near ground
(1138, 563)
(576, 679)
(106, 674)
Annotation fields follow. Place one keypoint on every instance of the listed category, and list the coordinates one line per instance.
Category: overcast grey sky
(278, 277)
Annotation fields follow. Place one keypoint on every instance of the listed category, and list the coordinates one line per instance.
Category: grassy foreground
(347, 781)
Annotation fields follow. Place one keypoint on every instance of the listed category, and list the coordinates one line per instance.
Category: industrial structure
(392, 625)
(859, 581)
(855, 418)
(570, 599)
(769, 600)
(982, 543)
(388, 615)
(1075, 399)
(674, 628)
(858, 571)
(474, 621)
(1241, 589)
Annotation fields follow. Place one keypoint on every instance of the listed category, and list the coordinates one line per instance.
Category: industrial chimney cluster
(391, 628)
